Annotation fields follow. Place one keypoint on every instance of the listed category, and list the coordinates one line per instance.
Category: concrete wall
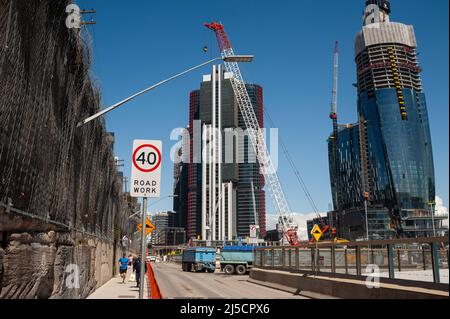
(39, 266)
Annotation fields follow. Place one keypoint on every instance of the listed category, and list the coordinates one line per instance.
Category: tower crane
(256, 135)
(335, 137)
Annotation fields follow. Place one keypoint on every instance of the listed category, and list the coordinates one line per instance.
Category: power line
(294, 168)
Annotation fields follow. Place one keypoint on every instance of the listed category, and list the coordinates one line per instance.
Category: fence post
(273, 258)
(297, 259)
(390, 251)
(333, 259)
(263, 258)
(399, 260)
(290, 259)
(424, 257)
(435, 261)
(313, 260)
(358, 261)
(346, 261)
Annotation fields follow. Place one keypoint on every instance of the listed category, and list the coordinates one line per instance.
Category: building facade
(386, 160)
(180, 190)
(225, 190)
(162, 221)
(171, 236)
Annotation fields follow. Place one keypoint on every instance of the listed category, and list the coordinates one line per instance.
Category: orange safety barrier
(154, 292)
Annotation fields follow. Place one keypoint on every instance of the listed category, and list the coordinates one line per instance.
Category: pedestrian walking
(123, 264)
(131, 268)
(137, 268)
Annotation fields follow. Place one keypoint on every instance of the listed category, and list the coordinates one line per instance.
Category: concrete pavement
(115, 289)
(176, 284)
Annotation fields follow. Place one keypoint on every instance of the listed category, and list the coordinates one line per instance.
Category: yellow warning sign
(149, 227)
(317, 232)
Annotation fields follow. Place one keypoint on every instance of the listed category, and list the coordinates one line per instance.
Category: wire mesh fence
(48, 166)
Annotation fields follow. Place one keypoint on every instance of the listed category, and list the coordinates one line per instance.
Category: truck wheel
(229, 269)
(211, 271)
(188, 267)
(241, 270)
(183, 267)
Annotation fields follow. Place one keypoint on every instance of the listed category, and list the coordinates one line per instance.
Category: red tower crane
(256, 135)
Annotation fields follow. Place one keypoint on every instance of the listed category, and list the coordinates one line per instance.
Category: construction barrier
(154, 292)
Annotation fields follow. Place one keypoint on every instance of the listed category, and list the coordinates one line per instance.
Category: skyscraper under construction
(225, 191)
(386, 159)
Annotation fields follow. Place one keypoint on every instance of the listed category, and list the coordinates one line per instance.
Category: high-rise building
(170, 236)
(386, 160)
(162, 221)
(226, 190)
(180, 189)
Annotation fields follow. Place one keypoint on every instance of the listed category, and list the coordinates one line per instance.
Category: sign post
(317, 234)
(145, 183)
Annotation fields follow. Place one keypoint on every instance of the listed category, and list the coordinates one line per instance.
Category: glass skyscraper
(390, 148)
(242, 181)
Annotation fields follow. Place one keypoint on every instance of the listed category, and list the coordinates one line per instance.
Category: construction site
(65, 211)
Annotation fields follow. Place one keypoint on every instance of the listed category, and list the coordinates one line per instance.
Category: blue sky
(138, 43)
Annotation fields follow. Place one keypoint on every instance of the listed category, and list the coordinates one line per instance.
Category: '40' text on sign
(146, 169)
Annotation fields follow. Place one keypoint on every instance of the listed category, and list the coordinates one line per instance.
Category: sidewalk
(115, 289)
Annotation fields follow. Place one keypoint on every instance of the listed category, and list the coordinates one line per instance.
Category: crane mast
(334, 118)
(256, 137)
(334, 99)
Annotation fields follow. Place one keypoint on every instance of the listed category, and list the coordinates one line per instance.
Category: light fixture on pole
(230, 59)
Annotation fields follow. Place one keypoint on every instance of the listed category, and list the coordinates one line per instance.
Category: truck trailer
(199, 259)
(236, 259)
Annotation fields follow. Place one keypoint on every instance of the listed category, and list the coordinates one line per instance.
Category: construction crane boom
(334, 99)
(257, 137)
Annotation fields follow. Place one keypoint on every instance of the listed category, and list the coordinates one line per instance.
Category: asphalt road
(174, 284)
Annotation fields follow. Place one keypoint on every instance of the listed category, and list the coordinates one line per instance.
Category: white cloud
(299, 218)
(441, 210)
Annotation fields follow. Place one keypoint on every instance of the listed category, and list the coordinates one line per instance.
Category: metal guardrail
(413, 260)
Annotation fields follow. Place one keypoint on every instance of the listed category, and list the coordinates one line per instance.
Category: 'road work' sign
(146, 169)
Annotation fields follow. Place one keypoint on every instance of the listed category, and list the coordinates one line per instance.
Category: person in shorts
(123, 264)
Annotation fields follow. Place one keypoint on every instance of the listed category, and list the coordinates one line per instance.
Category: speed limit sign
(146, 169)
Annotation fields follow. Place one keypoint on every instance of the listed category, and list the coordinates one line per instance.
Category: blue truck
(236, 259)
(199, 259)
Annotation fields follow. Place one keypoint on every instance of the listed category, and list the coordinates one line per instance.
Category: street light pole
(236, 58)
